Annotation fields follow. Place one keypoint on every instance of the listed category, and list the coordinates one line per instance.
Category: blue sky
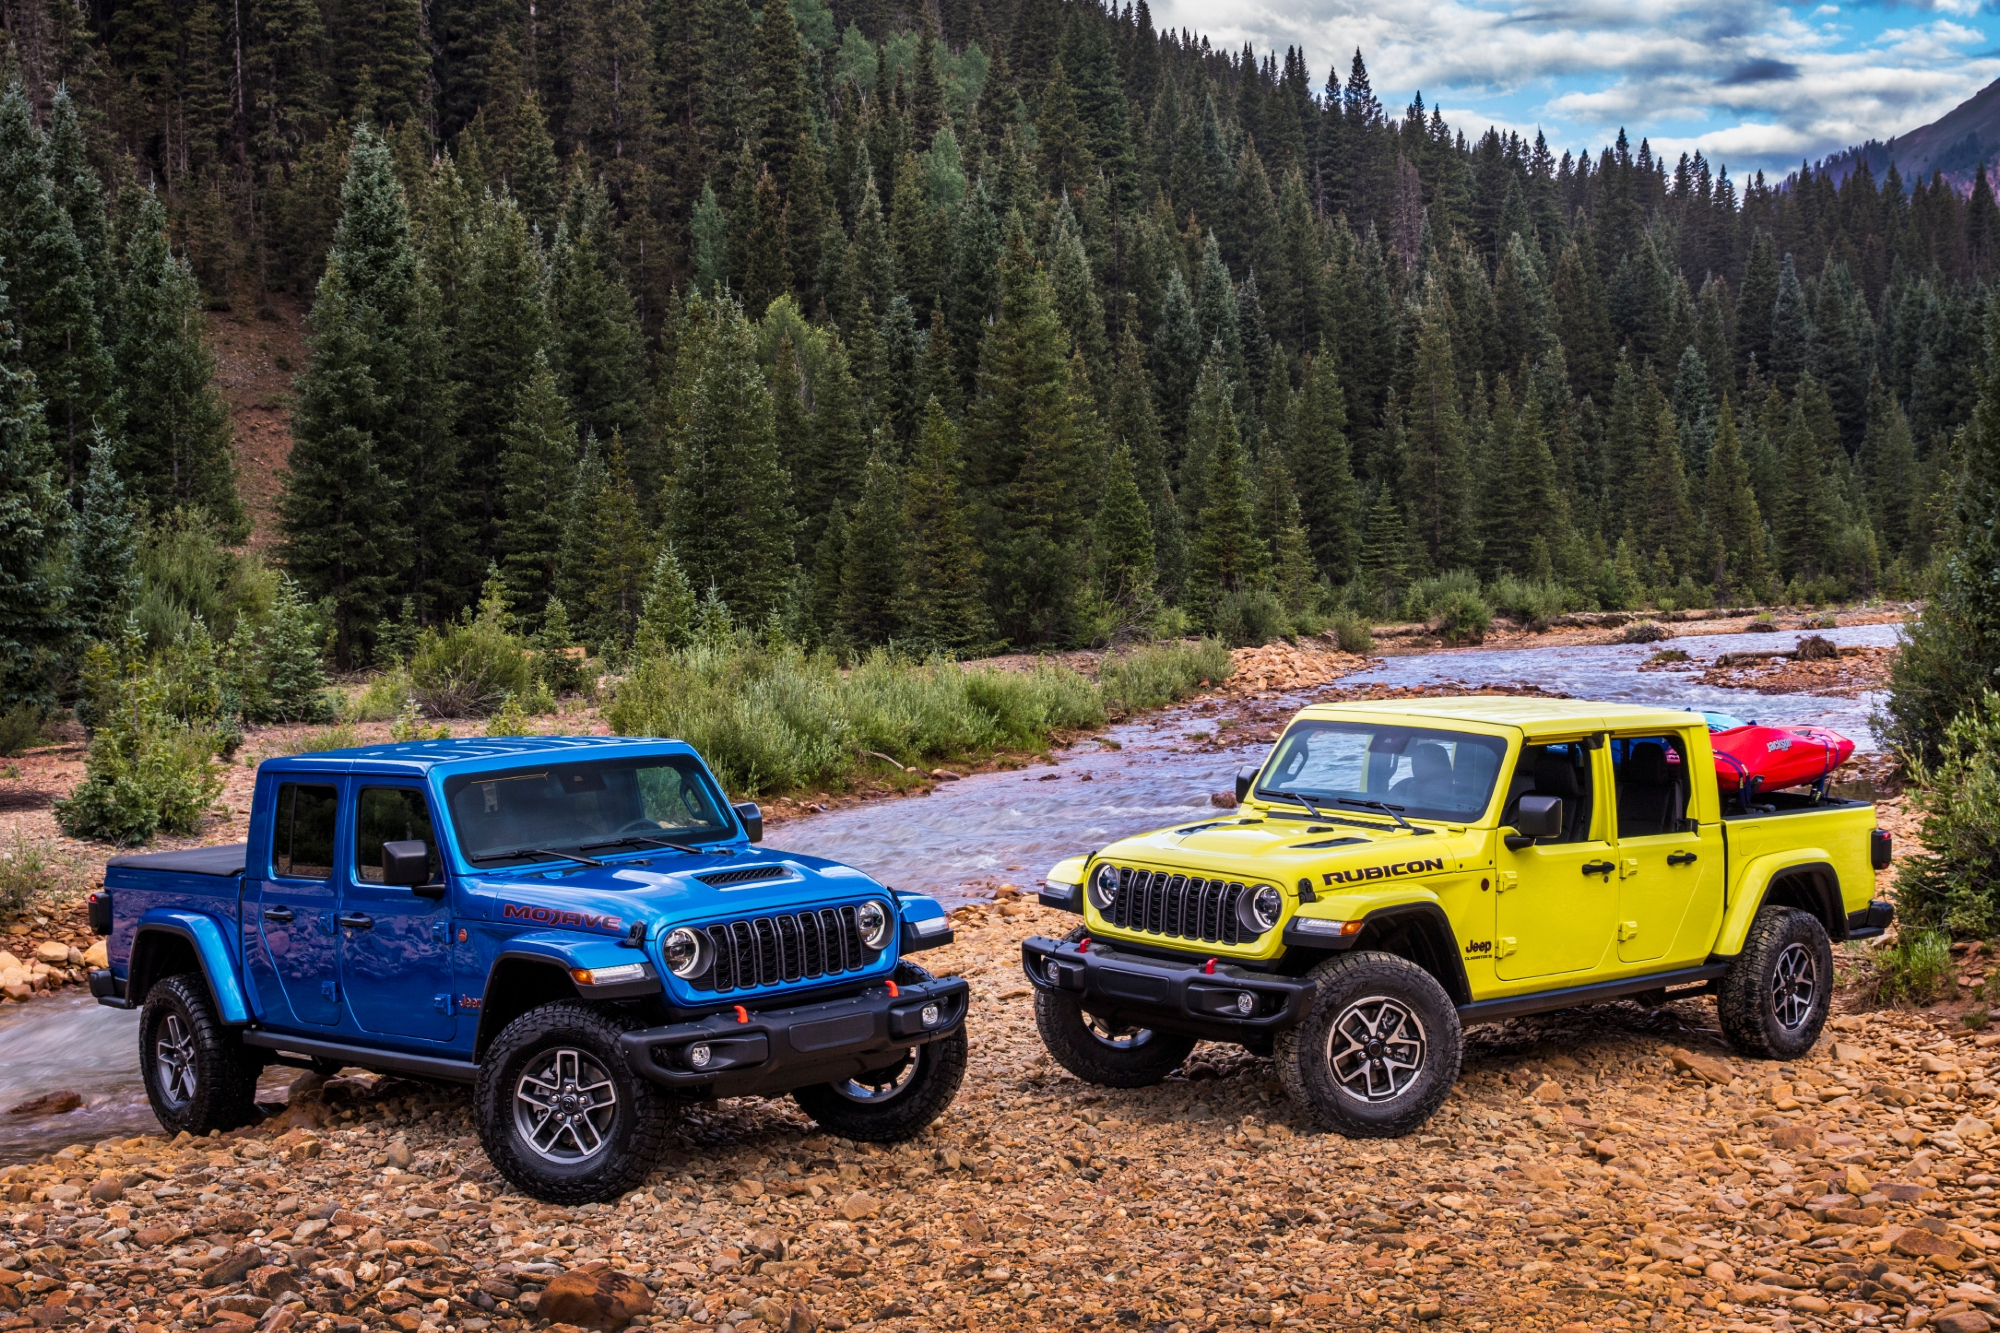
(1752, 84)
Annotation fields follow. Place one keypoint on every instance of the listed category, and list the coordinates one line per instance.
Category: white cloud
(1750, 82)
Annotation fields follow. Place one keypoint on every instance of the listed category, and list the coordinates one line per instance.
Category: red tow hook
(893, 992)
(742, 1014)
(1208, 968)
(1083, 945)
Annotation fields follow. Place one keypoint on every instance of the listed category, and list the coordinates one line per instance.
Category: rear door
(1670, 865)
(297, 945)
(395, 946)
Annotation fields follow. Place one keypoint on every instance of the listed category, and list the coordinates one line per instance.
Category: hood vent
(743, 875)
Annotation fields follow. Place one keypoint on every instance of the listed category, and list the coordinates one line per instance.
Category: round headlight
(873, 918)
(1104, 887)
(1262, 907)
(685, 952)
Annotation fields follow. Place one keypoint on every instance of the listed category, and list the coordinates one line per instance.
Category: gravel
(1605, 1169)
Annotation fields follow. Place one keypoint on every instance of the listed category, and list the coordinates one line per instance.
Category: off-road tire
(1748, 1002)
(632, 1137)
(199, 1075)
(1067, 1034)
(908, 1108)
(1362, 993)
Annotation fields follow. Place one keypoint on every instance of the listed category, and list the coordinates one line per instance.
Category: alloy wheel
(1375, 1049)
(564, 1103)
(1794, 986)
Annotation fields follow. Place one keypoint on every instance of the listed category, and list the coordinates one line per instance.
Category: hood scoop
(743, 875)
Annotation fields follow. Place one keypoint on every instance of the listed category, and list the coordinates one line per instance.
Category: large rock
(53, 952)
(97, 955)
(603, 1298)
(49, 1103)
(1705, 1067)
(1921, 1244)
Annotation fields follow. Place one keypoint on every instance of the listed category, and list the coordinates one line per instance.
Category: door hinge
(443, 1003)
(1505, 947)
(1507, 879)
(1628, 867)
(1627, 930)
(329, 991)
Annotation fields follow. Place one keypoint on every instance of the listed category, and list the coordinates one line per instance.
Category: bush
(1533, 604)
(509, 720)
(1463, 618)
(1954, 883)
(341, 736)
(468, 670)
(274, 665)
(381, 700)
(1913, 968)
(1644, 631)
(20, 729)
(1249, 618)
(1761, 625)
(1425, 599)
(1160, 673)
(1668, 655)
(29, 872)
(1352, 633)
(1817, 648)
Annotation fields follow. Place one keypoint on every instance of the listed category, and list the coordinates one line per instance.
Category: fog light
(1055, 973)
(699, 1055)
(930, 1015)
(1246, 1003)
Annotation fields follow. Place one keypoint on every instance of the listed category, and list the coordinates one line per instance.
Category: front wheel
(1111, 1055)
(1379, 1051)
(1773, 1000)
(896, 1101)
(199, 1075)
(560, 1114)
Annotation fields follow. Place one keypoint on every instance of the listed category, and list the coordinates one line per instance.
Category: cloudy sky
(1751, 83)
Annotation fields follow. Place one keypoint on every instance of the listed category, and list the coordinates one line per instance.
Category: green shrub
(1352, 633)
(410, 725)
(274, 664)
(559, 658)
(147, 770)
(381, 700)
(1425, 599)
(468, 670)
(1533, 604)
(20, 729)
(509, 720)
(187, 572)
(1249, 618)
(1913, 968)
(340, 736)
(1666, 655)
(1953, 884)
(1463, 618)
(1160, 673)
(30, 871)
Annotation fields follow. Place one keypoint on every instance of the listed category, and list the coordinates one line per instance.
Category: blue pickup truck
(582, 928)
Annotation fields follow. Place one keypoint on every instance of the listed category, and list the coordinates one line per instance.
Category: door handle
(1598, 867)
(356, 921)
(282, 914)
(1682, 859)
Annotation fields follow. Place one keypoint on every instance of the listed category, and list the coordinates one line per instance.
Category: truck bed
(223, 862)
(1767, 805)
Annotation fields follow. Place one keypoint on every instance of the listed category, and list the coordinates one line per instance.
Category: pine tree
(1666, 523)
(103, 571)
(175, 448)
(666, 616)
(533, 174)
(620, 556)
(1736, 541)
(832, 475)
(1211, 420)
(1318, 457)
(34, 592)
(872, 589)
(944, 609)
(726, 511)
(1229, 553)
(970, 292)
(500, 344)
(1282, 525)
(1438, 476)
(599, 353)
(1792, 333)
(1178, 351)
(1806, 522)
(538, 461)
(1122, 549)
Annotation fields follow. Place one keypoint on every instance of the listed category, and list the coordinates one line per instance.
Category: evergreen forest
(955, 328)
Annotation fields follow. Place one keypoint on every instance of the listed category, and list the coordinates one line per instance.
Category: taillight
(100, 912)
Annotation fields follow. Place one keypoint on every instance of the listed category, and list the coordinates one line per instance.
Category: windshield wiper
(1387, 809)
(548, 853)
(636, 841)
(1294, 796)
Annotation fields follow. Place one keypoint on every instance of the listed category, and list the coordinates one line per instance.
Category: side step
(365, 1057)
(1492, 1011)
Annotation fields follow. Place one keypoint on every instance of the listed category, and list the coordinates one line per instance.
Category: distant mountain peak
(1954, 145)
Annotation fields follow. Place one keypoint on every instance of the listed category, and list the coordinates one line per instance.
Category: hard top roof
(419, 758)
(1526, 712)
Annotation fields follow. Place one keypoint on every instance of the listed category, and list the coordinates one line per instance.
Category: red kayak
(1780, 756)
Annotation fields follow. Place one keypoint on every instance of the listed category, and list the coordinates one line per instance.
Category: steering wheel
(639, 825)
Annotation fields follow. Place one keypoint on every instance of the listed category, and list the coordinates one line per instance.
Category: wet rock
(49, 1103)
(600, 1299)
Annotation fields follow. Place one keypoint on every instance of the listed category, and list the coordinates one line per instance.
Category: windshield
(577, 807)
(1440, 775)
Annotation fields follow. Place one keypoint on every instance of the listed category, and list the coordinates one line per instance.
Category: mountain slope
(1953, 145)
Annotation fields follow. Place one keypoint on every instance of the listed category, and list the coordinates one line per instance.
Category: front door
(1555, 899)
(297, 943)
(395, 957)
(1670, 867)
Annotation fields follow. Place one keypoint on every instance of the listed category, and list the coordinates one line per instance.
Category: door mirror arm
(431, 891)
(1516, 841)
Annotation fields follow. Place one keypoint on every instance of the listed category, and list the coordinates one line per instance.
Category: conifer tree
(1318, 457)
(1666, 520)
(175, 446)
(667, 613)
(1122, 547)
(599, 352)
(617, 555)
(1211, 421)
(970, 292)
(725, 510)
(1437, 476)
(1806, 521)
(1229, 555)
(538, 462)
(1178, 351)
(103, 571)
(1283, 525)
(1792, 333)
(872, 589)
(1736, 538)
(501, 339)
(1754, 305)
(1893, 473)
(944, 608)
(34, 592)
(832, 474)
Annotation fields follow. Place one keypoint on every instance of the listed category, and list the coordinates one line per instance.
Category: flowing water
(970, 835)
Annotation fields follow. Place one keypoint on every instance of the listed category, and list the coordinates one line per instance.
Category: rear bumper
(773, 1051)
(1871, 920)
(1172, 997)
(107, 989)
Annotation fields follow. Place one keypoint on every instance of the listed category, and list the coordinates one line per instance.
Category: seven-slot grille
(795, 946)
(1163, 902)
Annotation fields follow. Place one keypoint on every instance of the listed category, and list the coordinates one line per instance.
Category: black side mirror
(407, 863)
(1537, 817)
(753, 820)
(1246, 778)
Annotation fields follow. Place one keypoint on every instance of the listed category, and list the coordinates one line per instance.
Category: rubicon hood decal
(1389, 871)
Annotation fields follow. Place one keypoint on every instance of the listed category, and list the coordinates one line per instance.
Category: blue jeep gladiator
(579, 927)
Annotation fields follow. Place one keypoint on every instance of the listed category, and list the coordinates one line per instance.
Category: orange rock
(601, 1299)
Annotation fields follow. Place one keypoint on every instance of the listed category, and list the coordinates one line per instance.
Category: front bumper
(1200, 999)
(773, 1051)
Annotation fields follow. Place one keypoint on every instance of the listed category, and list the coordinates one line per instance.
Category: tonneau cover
(221, 861)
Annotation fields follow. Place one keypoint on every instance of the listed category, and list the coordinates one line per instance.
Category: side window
(1651, 775)
(1562, 771)
(302, 835)
(389, 814)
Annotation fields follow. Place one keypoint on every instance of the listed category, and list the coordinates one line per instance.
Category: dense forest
(953, 328)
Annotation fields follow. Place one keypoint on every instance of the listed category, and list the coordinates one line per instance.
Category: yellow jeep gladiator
(1395, 871)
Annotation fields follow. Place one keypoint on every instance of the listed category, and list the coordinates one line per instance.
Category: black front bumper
(773, 1051)
(1193, 998)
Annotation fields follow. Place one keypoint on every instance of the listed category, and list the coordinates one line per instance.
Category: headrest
(1430, 763)
(1555, 775)
(1647, 765)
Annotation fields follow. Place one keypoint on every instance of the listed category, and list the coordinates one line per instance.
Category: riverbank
(1610, 1168)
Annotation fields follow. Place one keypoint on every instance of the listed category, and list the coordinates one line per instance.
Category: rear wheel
(1773, 1001)
(199, 1075)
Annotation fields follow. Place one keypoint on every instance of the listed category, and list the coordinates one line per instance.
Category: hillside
(1954, 145)
(256, 355)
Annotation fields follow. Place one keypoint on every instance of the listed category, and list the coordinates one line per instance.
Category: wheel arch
(517, 983)
(1802, 880)
(1421, 933)
(185, 942)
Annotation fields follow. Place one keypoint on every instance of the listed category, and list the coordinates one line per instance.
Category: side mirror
(753, 820)
(1246, 778)
(407, 863)
(1537, 817)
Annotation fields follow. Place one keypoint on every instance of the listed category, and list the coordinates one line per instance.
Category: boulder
(604, 1298)
(1705, 1067)
(49, 1103)
(97, 955)
(53, 952)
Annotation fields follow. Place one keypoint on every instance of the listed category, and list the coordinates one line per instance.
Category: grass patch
(771, 719)
(21, 729)
(340, 736)
(30, 871)
(1666, 655)
(1913, 968)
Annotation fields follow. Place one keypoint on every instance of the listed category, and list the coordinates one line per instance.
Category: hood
(669, 889)
(1280, 849)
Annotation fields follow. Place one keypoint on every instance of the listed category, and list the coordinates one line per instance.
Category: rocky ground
(1605, 1169)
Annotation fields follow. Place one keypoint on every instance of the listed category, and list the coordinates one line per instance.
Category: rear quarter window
(302, 833)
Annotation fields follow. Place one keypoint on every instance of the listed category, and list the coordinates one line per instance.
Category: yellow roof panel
(1529, 714)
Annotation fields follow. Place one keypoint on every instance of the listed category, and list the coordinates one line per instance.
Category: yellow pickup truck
(1395, 871)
